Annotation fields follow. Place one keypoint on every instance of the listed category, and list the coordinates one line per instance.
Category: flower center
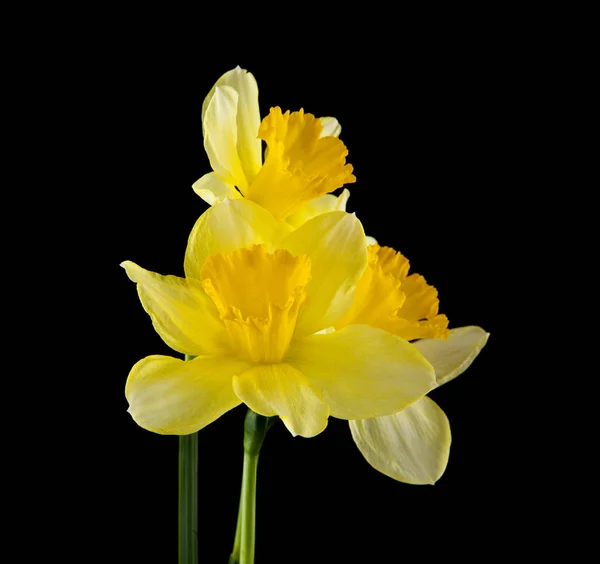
(388, 298)
(300, 165)
(258, 295)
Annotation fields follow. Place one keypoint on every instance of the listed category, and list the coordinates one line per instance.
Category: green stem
(255, 429)
(188, 497)
(248, 508)
(235, 553)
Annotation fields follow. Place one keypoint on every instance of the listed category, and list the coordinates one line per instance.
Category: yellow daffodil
(254, 308)
(305, 160)
(412, 445)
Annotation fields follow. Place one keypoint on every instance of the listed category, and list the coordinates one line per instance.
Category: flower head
(305, 160)
(412, 445)
(253, 308)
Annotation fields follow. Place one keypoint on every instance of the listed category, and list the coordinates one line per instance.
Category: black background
(428, 137)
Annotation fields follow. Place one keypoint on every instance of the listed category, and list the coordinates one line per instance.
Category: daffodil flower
(254, 307)
(305, 160)
(412, 445)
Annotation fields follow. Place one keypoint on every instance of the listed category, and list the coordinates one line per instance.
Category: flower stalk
(188, 497)
(255, 430)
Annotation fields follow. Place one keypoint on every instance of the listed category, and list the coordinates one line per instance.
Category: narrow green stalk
(255, 429)
(248, 508)
(235, 553)
(188, 497)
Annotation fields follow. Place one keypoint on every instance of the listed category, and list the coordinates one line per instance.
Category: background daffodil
(305, 159)
(252, 308)
(412, 445)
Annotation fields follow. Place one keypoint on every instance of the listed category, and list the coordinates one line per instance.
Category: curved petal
(362, 371)
(221, 136)
(174, 397)
(452, 357)
(324, 204)
(279, 389)
(230, 225)
(335, 243)
(371, 240)
(181, 312)
(411, 446)
(247, 118)
(331, 127)
(213, 189)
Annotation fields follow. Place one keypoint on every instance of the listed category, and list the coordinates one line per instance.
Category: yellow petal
(220, 136)
(181, 312)
(452, 357)
(362, 371)
(228, 226)
(335, 244)
(279, 389)
(331, 127)
(324, 204)
(247, 118)
(172, 397)
(371, 240)
(411, 446)
(213, 189)
(300, 166)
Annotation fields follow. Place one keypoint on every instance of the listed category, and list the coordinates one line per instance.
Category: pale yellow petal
(342, 200)
(181, 312)
(362, 371)
(279, 389)
(247, 118)
(324, 204)
(411, 446)
(335, 243)
(452, 357)
(371, 240)
(227, 226)
(173, 397)
(331, 127)
(213, 189)
(220, 136)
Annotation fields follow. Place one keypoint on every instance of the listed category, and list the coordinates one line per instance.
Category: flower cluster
(288, 307)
